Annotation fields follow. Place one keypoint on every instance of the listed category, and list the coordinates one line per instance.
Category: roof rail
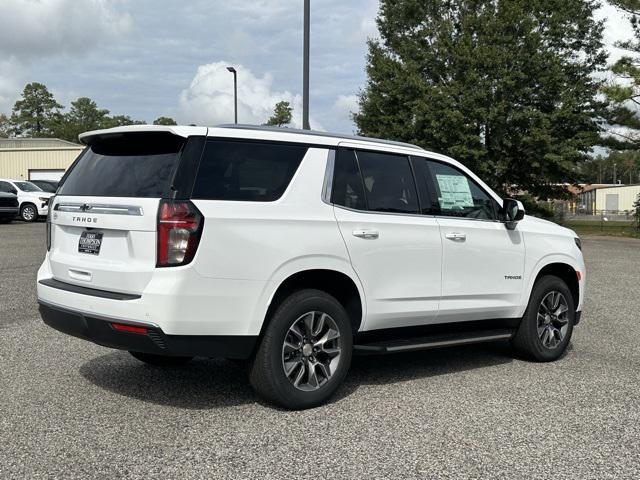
(318, 134)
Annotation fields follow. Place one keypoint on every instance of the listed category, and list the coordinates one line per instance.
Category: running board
(433, 341)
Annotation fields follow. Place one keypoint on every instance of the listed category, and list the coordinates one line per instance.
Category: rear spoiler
(88, 138)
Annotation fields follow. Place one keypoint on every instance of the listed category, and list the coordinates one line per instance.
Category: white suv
(293, 250)
(33, 201)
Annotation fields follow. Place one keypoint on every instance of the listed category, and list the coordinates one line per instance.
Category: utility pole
(305, 67)
(235, 93)
(614, 172)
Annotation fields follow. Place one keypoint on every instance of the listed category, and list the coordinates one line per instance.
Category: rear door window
(388, 182)
(251, 171)
(130, 165)
(6, 187)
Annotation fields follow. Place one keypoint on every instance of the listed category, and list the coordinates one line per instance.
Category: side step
(433, 341)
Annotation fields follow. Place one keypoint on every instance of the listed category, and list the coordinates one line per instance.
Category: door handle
(366, 233)
(456, 237)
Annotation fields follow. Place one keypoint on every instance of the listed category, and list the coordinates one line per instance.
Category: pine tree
(505, 86)
(281, 115)
(34, 114)
(624, 94)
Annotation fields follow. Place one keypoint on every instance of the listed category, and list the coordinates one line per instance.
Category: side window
(459, 196)
(6, 187)
(388, 182)
(348, 189)
(427, 194)
(246, 171)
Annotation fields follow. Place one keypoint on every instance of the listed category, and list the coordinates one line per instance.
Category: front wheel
(547, 325)
(29, 213)
(160, 360)
(305, 352)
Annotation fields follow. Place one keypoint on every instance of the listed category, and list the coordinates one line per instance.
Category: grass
(613, 228)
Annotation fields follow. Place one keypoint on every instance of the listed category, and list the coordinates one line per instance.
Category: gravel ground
(71, 409)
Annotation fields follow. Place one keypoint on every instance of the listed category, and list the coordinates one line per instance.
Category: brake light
(179, 229)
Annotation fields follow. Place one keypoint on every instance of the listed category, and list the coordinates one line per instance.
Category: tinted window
(426, 194)
(6, 187)
(249, 171)
(388, 182)
(457, 195)
(348, 188)
(131, 165)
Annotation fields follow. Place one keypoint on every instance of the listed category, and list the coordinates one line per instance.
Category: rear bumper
(100, 330)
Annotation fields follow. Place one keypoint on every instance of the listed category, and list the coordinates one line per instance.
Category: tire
(530, 340)
(161, 360)
(6, 219)
(29, 212)
(304, 319)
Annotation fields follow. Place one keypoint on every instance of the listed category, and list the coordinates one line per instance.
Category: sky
(147, 58)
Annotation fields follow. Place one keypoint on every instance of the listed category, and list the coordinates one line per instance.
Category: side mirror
(512, 212)
(14, 191)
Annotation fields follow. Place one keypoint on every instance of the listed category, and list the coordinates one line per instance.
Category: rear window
(131, 165)
(246, 171)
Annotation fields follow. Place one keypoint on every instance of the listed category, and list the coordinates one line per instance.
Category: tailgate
(104, 243)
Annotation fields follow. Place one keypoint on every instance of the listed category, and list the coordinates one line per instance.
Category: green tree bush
(506, 87)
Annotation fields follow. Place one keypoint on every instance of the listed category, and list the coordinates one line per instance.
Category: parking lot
(71, 409)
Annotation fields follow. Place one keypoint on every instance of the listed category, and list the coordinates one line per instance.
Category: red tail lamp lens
(179, 228)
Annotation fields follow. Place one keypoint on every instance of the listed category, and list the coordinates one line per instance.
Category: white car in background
(34, 202)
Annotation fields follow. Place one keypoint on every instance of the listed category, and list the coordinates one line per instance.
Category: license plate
(90, 243)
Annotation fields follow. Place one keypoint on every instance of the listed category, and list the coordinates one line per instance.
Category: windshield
(45, 186)
(133, 165)
(28, 187)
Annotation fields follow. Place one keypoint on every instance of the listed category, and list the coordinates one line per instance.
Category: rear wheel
(28, 212)
(160, 360)
(305, 352)
(547, 325)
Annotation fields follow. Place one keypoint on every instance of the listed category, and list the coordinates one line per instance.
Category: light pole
(235, 93)
(305, 67)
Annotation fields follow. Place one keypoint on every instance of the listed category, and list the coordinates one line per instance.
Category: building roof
(602, 186)
(35, 143)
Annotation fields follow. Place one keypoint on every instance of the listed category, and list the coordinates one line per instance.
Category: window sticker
(455, 193)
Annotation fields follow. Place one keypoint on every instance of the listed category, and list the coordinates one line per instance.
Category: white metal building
(609, 199)
(36, 158)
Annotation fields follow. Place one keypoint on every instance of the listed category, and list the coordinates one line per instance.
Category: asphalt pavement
(71, 409)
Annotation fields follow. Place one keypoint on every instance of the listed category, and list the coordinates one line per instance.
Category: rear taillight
(179, 228)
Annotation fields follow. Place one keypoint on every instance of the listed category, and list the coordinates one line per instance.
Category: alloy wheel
(553, 319)
(311, 350)
(28, 213)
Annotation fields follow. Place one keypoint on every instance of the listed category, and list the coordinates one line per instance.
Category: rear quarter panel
(267, 242)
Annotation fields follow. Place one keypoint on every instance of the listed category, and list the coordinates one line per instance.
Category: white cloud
(344, 107)
(209, 98)
(35, 29)
(617, 29)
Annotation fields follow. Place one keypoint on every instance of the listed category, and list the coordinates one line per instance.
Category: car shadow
(213, 383)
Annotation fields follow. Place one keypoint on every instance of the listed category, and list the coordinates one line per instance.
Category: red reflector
(129, 328)
(578, 275)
